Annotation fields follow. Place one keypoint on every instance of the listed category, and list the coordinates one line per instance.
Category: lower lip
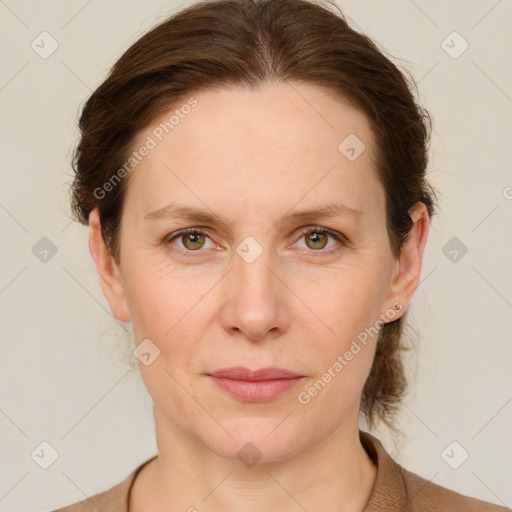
(256, 391)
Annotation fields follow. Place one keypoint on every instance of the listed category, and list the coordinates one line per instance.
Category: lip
(242, 373)
(255, 385)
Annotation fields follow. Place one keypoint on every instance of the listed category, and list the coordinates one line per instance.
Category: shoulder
(399, 490)
(111, 500)
(114, 499)
(425, 496)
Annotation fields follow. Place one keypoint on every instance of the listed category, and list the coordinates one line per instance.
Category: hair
(249, 43)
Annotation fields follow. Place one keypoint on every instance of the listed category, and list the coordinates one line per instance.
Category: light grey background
(64, 379)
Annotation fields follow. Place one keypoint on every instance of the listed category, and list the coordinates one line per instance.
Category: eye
(192, 240)
(316, 239)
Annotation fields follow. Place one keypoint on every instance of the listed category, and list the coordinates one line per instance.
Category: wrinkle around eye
(339, 238)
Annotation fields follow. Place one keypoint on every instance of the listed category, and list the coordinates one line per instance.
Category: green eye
(316, 240)
(196, 240)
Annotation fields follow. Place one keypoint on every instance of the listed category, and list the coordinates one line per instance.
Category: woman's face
(249, 288)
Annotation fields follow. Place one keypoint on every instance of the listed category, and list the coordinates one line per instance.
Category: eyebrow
(174, 211)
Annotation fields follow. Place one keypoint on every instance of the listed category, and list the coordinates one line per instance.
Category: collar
(389, 493)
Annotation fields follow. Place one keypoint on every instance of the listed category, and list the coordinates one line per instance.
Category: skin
(251, 157)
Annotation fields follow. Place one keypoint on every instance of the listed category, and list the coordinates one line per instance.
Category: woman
(253, 175)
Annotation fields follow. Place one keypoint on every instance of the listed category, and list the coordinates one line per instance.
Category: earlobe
(108, 272)
(407, 276)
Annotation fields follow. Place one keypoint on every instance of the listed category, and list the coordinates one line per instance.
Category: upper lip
(241, 373)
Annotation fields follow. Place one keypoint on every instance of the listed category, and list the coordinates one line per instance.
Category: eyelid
(319, 229)
(196, 230)
(340, 237)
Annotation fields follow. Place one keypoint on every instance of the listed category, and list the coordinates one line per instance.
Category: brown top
(395, 490)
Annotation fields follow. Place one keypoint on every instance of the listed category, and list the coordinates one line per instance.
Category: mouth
(255, 385)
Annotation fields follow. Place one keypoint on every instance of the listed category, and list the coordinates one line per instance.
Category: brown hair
(248, 43)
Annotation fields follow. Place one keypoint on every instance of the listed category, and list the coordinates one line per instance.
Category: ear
(408, 266)
(108, 272)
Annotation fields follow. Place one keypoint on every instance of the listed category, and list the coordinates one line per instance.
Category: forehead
(280, 140)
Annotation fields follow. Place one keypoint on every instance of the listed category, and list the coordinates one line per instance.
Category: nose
(255, 299)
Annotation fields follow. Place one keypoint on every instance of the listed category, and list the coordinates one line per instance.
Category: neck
(335, 474)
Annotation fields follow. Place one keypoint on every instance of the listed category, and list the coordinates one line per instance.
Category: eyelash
(303, 231)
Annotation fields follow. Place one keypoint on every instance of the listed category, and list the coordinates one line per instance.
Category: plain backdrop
(64, 378)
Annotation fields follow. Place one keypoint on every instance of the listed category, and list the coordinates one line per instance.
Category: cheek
(166, 307)
(341, 304)
(163, 311)
(343, 353)
(344, 330)
(160, 297)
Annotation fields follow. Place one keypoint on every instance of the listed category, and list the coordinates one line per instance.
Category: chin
(256, 438)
